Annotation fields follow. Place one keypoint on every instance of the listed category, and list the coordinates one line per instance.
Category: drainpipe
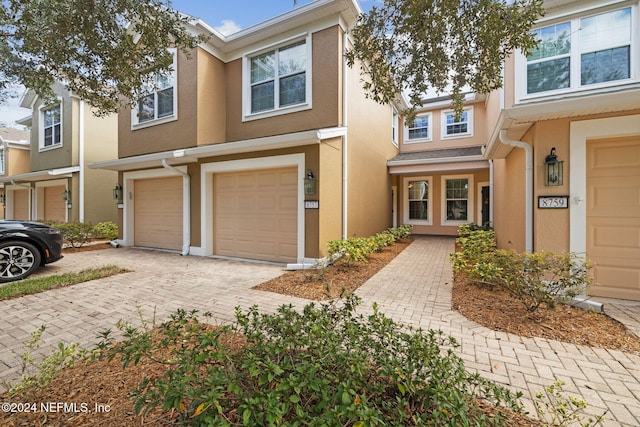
(528, 150)
(345, 138)
(186, 240)
(81, 163)
(491, 192)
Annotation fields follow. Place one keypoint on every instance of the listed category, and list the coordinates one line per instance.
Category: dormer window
(159, 105)
(278, 80)
(51, 129)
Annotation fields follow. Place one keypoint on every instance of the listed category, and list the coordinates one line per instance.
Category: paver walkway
(414, 288)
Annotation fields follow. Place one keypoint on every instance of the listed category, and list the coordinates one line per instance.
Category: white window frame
(395, 117)
(41, 112)
(575, 83)
(173, 81)
(247, 115)
(429, 137)
(405, 198)
(470, 200)
(443, 124)
(3, 158)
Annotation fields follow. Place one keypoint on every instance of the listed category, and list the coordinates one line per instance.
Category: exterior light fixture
(552, 169)
(310, 183)
(117, 192)
(2, 199)
(66, 196)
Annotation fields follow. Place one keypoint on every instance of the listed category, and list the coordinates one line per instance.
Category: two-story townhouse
(442, 178)
(260, 145)
(565, 144)
(57, 185)
(14, 156)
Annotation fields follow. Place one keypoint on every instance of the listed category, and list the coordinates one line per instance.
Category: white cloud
(228, 27)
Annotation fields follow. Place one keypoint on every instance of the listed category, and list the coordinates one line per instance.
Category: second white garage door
(255, 214)
(158, 215)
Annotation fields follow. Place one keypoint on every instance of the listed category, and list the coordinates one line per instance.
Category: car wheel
(17, 260)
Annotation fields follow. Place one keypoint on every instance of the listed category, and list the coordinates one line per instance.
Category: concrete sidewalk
(415, 288)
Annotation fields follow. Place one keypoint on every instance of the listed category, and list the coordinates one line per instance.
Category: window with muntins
(51, 126)
(417, 194)
(457, 200)
(453, 126)
(278, 78)
(160, 102)
(420, 129)
(581, 52)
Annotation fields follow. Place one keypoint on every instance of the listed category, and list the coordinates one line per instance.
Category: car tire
(17, 260)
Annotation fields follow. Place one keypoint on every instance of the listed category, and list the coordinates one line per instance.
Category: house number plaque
(553, 202)
(311, 204)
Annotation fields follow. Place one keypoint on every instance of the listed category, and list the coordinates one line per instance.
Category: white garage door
(255, 214)
(158, 213)
(54, 206)
(613, 216)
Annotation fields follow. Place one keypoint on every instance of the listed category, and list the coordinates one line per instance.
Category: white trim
(128, 199)
(470, 200)
(206, 194)
(395, 128)
(247, 115)
(41, 109)
(580, 132)
(429, 137)
(135, 124)
(443, 124)
(405, 200)
(394, 206)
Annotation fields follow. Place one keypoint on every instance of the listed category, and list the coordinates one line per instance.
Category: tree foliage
(104, 51)
(450, 46)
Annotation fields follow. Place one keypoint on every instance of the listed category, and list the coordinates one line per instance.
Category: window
(51, 135)
(1, 160)
(420, 129)
(394, 126)
(581, 52)
(278, 79)
(159, 105)
(456, 127)
(457, 200)
(417, 191)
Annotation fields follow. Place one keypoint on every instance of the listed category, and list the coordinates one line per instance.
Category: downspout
(81, 163)
(345, 138)
(186, 241)
(491, 192)
(528, 150)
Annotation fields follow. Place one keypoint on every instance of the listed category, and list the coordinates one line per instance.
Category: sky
(226, 16)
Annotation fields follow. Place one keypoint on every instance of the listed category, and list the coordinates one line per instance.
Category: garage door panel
(255, 214)
(54, 206)
(613, 216)
(158, 215)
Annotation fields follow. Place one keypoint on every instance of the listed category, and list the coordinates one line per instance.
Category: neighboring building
(57, 184)
(579, 94)
(14, 156)
(214, 161)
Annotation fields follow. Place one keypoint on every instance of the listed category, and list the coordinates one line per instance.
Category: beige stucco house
(56, 184)
(14, 156)
(552, 160)
(218, 159)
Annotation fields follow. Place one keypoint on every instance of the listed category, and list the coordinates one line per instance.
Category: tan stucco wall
(325, 95)
(509, 201)
(330, 192)
(17, 161)
(211, 95)
(177, 134)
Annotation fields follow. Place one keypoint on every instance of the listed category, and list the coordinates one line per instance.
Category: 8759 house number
(553, 202)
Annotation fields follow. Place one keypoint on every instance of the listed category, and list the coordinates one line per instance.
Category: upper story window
(51, 132)
(453, 126)
(1, 160)
(159, 105)
(394, 126)
(581, 52)
(419, 130)
(278, 80)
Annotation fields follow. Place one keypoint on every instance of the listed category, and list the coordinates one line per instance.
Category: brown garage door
(54, 205)
(255, 214)
(613, 216)
(158, 213)
(21, 204)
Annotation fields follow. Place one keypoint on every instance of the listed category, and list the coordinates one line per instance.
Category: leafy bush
(76, 233)
(533, 278)
(107, 230)
(357, 249)
(324, 366)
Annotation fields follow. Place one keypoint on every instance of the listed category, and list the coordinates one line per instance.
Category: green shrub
(76, 233)
(475, 244)
(357, 249)
(107, 230)
(323, 366)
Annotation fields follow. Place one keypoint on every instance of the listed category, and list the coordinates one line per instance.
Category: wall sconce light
(66, 196)
(117, 192)
(552, 169)
(310, 183)
(2, 198)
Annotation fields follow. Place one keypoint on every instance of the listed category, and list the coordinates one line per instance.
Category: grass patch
(41, 284)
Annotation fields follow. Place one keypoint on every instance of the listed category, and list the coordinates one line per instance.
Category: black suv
(25, 246)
